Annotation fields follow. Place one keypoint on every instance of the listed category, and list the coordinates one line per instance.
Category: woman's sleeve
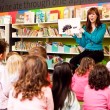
(99, 36)
(80, 41)
(50, 104)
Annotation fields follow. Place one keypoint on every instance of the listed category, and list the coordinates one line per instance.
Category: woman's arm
(97, 37)
(81, 41)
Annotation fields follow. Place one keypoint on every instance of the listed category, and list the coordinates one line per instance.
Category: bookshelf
(65, 40)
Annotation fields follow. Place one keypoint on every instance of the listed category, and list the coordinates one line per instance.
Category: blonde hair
(14, 64)
(10, 54)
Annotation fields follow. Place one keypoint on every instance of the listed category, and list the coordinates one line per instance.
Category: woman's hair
(10, 54)
(14, 64)
(88, 23)
(38, 50)
(99, 77)
(62, 77)
(86, 64)
(32, 78)
(3, 46)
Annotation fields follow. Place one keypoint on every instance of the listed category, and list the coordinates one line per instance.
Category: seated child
(97, 92)
(80, 78)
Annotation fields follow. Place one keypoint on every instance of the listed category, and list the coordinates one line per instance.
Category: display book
(59, 47)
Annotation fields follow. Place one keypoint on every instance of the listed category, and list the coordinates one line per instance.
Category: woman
(92, 38)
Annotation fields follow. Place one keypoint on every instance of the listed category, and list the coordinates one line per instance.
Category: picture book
(69, 26)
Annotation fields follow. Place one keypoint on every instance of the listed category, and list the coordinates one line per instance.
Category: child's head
(62, 74)
(99, 77)
(11, 53)
(108, 65)
(86, 64)
(33, 78)
(14, 64)
(38, 50)
(3, 46)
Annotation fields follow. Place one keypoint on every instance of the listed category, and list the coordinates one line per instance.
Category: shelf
(41, 37)
(2, 24)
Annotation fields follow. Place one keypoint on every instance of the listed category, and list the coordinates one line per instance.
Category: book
(40, 16)
(29, 17)
(69, 26)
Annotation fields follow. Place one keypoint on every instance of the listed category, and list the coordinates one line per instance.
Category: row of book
(58, 47)
(52, 15)
(42, 32)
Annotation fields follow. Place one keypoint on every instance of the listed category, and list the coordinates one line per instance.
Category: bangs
(91, 12)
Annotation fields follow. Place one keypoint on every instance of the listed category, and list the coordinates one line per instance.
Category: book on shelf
(19, 18)
(106, 49)
(40, 16)
(29, 17)
(2, 33)
(106, 11)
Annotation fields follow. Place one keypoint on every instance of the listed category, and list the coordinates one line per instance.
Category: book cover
(40, 16)
(69, 26)
(29, 17)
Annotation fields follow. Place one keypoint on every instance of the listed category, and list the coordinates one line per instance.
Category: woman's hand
(81, 30)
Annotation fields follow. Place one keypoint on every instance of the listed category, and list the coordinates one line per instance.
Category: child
(13, 69)
(64, 98)
(3, 46)
(41, 51)
(3, 98)
(31, 91)
(80, 78)
(97, 93)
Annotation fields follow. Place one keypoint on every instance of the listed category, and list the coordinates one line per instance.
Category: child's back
(97, 93)
(80, 78)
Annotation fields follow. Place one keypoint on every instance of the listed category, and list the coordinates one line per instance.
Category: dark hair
(38, 50)
(88, 23)
(32, 78)
(99, 77)
(86, 64)
(66, 27)
(62, 77)
(3, 46)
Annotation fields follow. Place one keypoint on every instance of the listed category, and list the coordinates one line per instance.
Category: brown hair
(32, 78)
(39, 50)
(3, 46)
(86, 64)
(99, 78)
(88, 23)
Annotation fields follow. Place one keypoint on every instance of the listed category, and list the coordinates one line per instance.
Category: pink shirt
(96, 100)
(35, 104)
(78, 85)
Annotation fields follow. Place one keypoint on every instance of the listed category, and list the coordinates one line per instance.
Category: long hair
(85, 65)
(99, 77)
(88, 23)
(32, 78)
(62, 77)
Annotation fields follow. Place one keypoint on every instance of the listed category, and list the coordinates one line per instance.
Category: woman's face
(92, 17)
